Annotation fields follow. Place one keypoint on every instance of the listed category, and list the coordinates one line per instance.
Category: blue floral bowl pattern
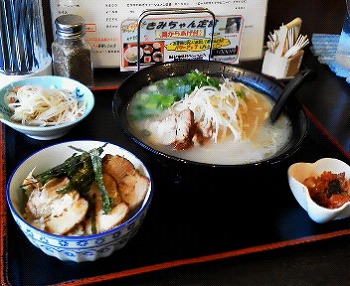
(83, 248)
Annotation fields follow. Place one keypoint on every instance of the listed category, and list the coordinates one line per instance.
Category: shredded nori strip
(82, 170)
(107, 202)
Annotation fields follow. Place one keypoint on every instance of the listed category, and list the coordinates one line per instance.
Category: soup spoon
(289, 90)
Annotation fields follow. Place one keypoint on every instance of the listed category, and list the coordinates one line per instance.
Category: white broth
(248, 138)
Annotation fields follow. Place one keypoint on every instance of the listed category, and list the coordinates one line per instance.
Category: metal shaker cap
(70, 26)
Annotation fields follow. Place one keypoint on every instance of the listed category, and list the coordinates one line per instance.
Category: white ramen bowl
(47, 81)
(298, 172)
(74, 248)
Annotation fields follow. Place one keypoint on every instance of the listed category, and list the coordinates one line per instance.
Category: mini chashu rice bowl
(298, 172)
(75, 248)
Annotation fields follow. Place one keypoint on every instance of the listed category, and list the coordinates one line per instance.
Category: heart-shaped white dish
(299, 171)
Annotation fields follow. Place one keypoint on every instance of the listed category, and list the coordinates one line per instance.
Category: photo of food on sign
(175, 39)
(150, 53)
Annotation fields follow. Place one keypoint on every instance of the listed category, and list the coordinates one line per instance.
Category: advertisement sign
(180, 38)
(105, 19)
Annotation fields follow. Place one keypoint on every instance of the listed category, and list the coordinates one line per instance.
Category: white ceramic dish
(47, 81)
(74, 248)
(300, 171)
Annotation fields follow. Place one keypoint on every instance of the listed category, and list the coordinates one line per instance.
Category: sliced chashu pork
(53, 212)
(119, 209)
(117, 166)
(131, 184)
(133, 189)
(180, 131)
(175, 129)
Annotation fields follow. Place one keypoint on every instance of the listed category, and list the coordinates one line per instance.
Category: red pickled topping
(329, 190)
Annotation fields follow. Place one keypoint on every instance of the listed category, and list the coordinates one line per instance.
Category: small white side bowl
(74, 248)
(47, 81)
(300, 171)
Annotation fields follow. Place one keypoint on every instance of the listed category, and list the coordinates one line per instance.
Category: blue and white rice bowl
(74, 248)
(82, 92)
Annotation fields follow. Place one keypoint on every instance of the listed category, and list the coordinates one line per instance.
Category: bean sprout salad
(38, 106)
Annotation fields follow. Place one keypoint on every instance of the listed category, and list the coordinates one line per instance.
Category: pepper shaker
(71, 53)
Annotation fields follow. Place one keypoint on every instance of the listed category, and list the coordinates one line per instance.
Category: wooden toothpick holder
(281, 67)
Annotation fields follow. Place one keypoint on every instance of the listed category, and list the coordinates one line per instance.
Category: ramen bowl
(79, 91)
(77, 248)
(298, 172)
(271, 89)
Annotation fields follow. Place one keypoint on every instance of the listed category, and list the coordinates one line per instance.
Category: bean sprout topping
(38, 106)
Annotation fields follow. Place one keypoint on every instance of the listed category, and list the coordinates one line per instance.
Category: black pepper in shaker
(71, 53)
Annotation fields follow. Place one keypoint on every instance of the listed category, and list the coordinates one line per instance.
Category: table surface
(326, 99)
(326, 261)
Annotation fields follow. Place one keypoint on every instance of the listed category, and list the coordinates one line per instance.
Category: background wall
(319, 16)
